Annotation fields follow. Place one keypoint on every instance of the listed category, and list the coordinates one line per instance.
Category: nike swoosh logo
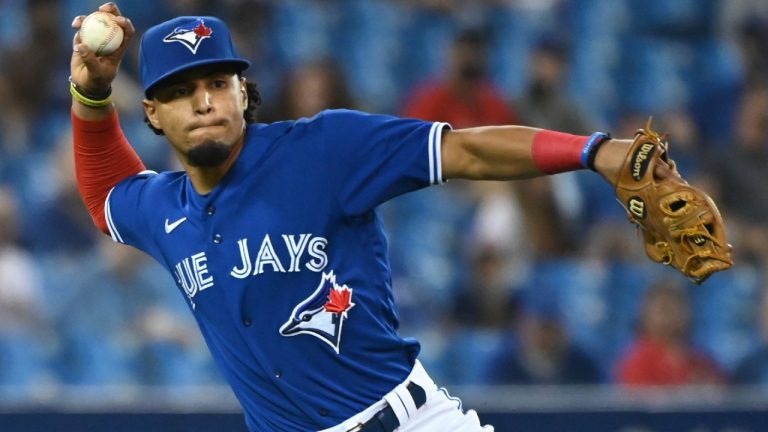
(172, 226)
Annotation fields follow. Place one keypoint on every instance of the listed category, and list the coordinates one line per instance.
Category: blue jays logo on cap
(323, 313)
(206, 40)
(190, 35)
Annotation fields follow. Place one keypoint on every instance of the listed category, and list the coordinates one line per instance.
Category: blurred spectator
(553, 206)
(102, 319)
(486, 298)
(753, 43)
(753, 368)
(551, 212)
(745, 22)
(251, 22)
(464, 97)
(20, 292)
(545, 102)
(741, 171)
(687, 146)
(662, 353)
(741, 167)
(499, 224)
(171, 351)
(543, 352)
(309, 89)
(29, 77)
(60, 224)
(24, 331)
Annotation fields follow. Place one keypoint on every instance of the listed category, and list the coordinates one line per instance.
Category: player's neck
(205, 179)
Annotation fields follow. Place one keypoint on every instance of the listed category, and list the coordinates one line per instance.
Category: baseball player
(271, 231)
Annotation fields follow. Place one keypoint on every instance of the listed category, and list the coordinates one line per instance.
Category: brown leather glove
(681, 225)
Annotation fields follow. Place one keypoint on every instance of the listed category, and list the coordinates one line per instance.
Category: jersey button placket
(247, 322)
(210, 210)
(217, 238)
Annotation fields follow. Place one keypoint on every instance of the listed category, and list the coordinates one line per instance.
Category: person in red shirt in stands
(662, 354)
(465, 96)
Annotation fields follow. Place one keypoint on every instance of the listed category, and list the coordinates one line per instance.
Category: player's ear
(244, 92)
(151, 112)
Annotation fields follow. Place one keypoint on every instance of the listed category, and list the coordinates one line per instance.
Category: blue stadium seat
(302, 30)
(581, 289)
(727, 314)
(362, 28)
(468, 353)
(170, 364)
(24, 359)
(94, 359)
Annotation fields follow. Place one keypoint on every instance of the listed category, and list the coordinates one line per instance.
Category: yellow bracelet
(92, 103)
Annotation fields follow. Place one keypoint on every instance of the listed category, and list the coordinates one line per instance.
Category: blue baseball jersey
(284, 264)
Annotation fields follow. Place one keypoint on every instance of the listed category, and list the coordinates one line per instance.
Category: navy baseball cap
(183, 43)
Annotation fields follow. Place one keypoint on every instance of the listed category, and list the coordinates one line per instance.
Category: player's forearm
(103, 158)
(489, 153)
(515, 152)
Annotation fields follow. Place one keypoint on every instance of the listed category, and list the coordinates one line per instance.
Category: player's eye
(180, 91)
(220, 83)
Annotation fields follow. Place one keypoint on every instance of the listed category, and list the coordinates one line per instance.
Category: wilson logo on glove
(636, 206)
(642, 158)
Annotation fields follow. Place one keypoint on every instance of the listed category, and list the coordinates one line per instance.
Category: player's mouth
(206, 125)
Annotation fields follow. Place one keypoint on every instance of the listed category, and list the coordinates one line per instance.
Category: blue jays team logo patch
(190, 35)
(323, 313)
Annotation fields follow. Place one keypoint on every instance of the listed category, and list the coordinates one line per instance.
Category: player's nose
(202, 101)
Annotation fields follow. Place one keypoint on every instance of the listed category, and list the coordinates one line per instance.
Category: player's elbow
(459, 157)
(96, 211)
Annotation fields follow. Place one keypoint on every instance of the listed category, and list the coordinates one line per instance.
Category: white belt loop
(407, 398)
(397, 402)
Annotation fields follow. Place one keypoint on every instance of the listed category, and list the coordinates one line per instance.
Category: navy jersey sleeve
(125, 211)
(374, 158)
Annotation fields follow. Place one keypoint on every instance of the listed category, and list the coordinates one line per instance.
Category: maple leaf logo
(339, 300)
(202, 31)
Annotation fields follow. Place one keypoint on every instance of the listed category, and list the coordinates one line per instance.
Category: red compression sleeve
(103, 157)
(556, 152)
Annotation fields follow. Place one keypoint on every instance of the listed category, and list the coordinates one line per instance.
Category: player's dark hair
(254, 100)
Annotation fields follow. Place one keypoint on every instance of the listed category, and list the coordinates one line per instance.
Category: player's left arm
(681, 224)
(517, 152)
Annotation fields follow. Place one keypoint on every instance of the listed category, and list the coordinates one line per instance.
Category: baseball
(101, 33)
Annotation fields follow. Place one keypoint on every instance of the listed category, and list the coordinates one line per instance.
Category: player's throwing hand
(92, 73)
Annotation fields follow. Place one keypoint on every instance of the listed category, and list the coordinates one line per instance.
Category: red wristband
(556, 152)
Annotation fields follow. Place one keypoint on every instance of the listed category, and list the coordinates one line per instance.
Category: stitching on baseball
(108, 39)
(111, 35)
